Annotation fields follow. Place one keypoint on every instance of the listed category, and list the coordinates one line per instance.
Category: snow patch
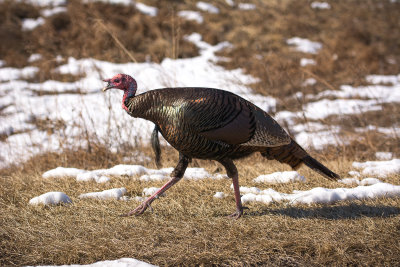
(309, 81)
(9, 74)
(30, 24)
(365, 181)
(320, 5)
(381, 169)
(114, 2)
(321, 109)
(307, 61)
(219, 195)
(91, 176)
(34, 57)
(383, 79)
(349, 181)
(383, 155)
(280, 177)
(102, 175)
(45, 3)
(51, 198)
(150, 191)
(323, 195)
(191, 15)
(61, 172)
(147, 10)
(48, 12)
(207, 7)
(246, 6)
(304, 45)
(115, 193)
(123, 262)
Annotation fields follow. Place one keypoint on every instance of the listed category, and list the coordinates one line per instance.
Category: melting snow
(34, 57)
(61, 172)
(115, 193)
(44, 3)
(48, 12)
(349, 181)
(246, 6)
(145, 9)
(321, 195)
(207, 7)
(325, 107)
(91, 176)
(384, 155)
(280, 177)
(148, 10)
(381, 169)
(30, 24)
(50, 198)
(123, 262)
(191, 15)
(307, 61)
(309, 81)
(101, 175)
(9, 74)
(320, 5)
(230, 2)
(150, 191)
(365, 181)
(219, 195)
(304, 45)
(383, 79)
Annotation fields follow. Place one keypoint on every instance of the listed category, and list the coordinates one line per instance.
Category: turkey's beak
(108, 86)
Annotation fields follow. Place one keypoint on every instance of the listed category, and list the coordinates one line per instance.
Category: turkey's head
(121, 81)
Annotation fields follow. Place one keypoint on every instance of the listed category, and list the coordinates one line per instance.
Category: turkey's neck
(128, 94)
(141, 106)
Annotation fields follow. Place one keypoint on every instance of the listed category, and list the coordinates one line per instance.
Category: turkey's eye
(116, 80)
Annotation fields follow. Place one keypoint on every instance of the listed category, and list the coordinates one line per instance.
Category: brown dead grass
(189, 227)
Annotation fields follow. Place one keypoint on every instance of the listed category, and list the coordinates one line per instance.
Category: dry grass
(189, 226)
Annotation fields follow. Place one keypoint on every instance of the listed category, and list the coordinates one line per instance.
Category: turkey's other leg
(232, 172)
(155, 143)
(176, 174)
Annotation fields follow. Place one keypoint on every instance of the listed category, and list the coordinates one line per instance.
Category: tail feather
(318, 167)
(294, 155)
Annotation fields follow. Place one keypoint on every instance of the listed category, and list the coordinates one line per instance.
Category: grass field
(188, 226)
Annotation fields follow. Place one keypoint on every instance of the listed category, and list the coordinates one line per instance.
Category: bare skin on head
(214, 124)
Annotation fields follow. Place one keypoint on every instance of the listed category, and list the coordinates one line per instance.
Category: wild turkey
(212, 124)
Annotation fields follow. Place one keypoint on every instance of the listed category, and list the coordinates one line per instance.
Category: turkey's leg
(176, 174)
(232, 172)
(155, 143)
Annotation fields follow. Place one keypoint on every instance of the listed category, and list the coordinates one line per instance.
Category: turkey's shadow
(350, 211)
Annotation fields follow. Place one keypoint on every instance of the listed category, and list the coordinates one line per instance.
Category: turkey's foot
(139, 209)
(239, 212)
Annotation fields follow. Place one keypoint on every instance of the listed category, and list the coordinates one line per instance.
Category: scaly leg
(176, 174)
(232, 172)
